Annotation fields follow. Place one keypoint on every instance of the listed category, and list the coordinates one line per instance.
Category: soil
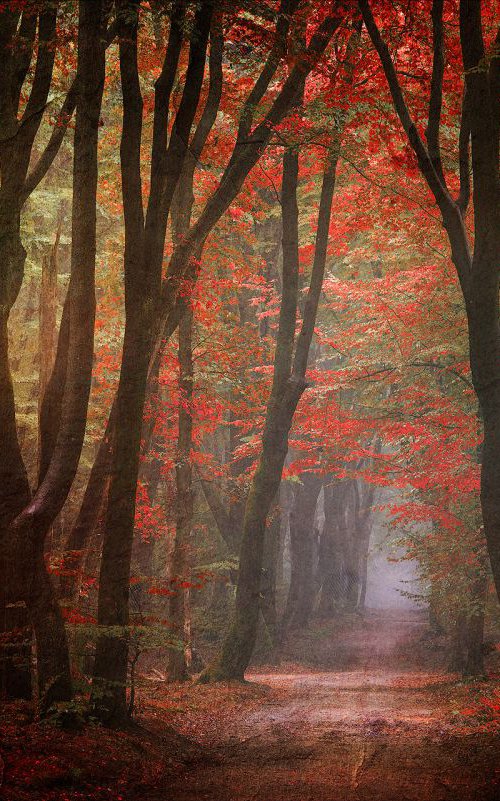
(360, 716)
(359, 709)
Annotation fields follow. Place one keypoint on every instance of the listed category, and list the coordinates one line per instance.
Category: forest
(249, 400)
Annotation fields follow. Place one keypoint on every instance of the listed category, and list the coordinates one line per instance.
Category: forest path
(378, 725)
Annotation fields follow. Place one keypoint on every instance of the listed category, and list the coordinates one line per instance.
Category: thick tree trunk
(15, 642)
(144, 245)
(62, 435)
(52, 656)
(15, 152)
(31, 520)
(111, 662)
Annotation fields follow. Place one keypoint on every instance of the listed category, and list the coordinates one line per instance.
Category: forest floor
(356, 710)
(360, 713)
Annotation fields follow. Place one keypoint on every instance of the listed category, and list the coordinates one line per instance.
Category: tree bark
(268, 589)
(478, 271)
(15, 153)
(30, 526)
(177, 665)
(61, 458)
(302, 590)
(288, 385)
(143, 259)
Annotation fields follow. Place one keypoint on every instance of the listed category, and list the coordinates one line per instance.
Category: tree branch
(439, 191)
(286, 11)
(23, 53)
(464, 157)
(436, 94)
(45, 161)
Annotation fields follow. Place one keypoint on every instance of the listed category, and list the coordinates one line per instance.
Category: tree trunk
(29, 528)
(365, 549)
(478, 273)
(15, 631)
(474, 636)
(47, 349)
(288, 385)
(458, 645)
(143, 260)
(47, 332)
(302, 590)
(239, 644)
(268, 598)
(91, 509)
(331, 562)
(328, 574)
(177, 665)
(52, 657)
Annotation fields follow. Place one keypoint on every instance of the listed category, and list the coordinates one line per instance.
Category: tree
(149, 322)
(287, 388)
(477, 268)
(16, 144)
(63, 415)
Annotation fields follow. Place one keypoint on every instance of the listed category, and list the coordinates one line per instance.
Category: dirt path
(357, 730)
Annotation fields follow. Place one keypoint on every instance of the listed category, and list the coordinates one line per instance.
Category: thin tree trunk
(364, 571)
(177, 666)
(477, 272)
(60, 457)
(268, 599)
(288, 385)
(332, 549)
(302, 590)
(47, 336)
(47, 350)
